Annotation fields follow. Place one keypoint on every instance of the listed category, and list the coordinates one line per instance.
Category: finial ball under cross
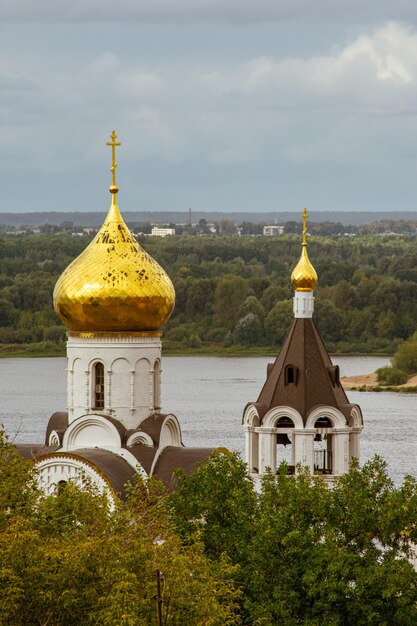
(113, 143)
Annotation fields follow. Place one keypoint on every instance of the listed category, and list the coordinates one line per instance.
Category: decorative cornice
(113, 335)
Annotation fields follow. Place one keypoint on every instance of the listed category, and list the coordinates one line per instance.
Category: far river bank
(10, 351)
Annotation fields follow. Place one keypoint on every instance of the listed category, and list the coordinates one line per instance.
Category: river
(208, 395)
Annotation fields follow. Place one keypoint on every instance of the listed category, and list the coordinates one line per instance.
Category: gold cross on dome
(304, 216)
(113, 143)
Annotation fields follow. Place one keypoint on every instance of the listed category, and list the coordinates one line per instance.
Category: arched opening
(290, 375)
(61, 486)
(323, 452)
(285, 448)
(98, 388)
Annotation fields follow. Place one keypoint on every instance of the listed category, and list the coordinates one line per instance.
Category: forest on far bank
(233, 293)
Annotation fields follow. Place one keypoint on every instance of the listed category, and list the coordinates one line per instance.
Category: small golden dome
(304, 276)
(114, 285)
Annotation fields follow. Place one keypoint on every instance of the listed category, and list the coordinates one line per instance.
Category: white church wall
(143, 399)
(129, 377)
(119, 376)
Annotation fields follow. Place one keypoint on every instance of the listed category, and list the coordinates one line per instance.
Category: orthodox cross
(304, 216)
(113, 143)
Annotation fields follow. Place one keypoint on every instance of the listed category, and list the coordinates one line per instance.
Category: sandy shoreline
(369, 381)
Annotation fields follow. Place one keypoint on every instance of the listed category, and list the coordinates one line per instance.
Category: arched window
(284, 441)
(284, 422)
(290, 375)
(61, 486)
(323, 422)
(98, 386)
(323, 453)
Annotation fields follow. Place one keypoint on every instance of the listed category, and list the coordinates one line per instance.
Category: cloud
(374, 70)
(230, 113)
(351, 109)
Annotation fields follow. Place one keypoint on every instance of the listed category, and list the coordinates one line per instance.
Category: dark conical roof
(316, 378)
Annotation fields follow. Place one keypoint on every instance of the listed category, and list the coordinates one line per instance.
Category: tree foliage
(308, 554)
(296, 553)
(403, 364)
(366, 299)
(67, 560)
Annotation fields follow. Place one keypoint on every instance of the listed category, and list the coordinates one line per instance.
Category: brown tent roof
(316, 380)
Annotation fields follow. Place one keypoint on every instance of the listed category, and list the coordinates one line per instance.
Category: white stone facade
(130, 384)
(303, 304)
(58, 469)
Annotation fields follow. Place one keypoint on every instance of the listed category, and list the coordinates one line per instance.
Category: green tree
(307, 554)
(405, 357)
(329, 320)
(227, 227)
(252, 305)
(248, 331)
(67, 560)
(278, 321)
(216, 504)
(273, 295)
(200, 298)
(7, 312)
(231, 292)
(403, 364)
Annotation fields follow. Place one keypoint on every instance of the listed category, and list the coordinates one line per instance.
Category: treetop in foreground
(308, 554)
(296, 553)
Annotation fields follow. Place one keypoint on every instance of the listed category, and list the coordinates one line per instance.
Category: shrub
(193, 341)
(248, 331)
(406, 356)
(391, 376)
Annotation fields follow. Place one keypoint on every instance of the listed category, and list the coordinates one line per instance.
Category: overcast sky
(227, 105)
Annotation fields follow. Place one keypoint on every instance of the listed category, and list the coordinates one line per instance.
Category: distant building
(162, 232)
(275, 229)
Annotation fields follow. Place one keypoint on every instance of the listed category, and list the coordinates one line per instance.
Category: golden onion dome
(114, 285)
(304, 276)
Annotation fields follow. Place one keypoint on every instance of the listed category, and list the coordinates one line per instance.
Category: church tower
(302, 414)
(113, 299)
